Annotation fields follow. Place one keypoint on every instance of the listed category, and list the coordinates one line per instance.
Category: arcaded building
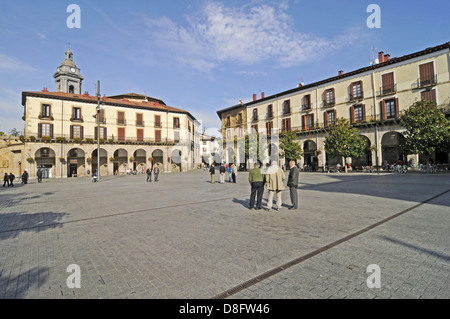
(372, 98)
(61, 131)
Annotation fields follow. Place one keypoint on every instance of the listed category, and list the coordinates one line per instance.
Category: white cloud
(243, 36)
(8, 63)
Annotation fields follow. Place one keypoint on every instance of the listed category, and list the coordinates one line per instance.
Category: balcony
(387, 90)
(424, 82)
(286, 110)
(306, 107)
(269, 115)
(356, 97)
(329, 102)
(254, 118)
(121, 122)
(45, 116)
(158, 124)
(140, 123)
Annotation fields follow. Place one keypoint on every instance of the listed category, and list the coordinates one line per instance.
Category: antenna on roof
(372, 56)
(145, 96)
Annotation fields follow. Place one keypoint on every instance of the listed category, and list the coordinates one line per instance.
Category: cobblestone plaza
(185, 238)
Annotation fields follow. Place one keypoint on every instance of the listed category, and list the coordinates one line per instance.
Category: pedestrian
(212, 172)
(156, 172)
(229, 173)
(256, 179)
(25, 177)
(292, 183)
(275, 184)
(11, 179)
(222, 174)
(149, 174)
(233, 173)
(6, 180)
(39, 175)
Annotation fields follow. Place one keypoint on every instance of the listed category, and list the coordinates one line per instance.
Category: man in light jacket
(275, 184)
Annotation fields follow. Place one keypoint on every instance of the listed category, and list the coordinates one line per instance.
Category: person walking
(233, 173)
(222, 174)
(229, 173)
(25, 177)
(11, 179)
(256, 179)
(156, 172)
(292, 183)
(212, 172)
(6, 180)
(275, 184)
(149, 174)
(39, 175)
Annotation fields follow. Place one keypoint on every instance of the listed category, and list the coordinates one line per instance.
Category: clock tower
(68, 78)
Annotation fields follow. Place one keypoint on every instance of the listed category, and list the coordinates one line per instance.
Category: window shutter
(71, 132)
(51, 130)
(39, 130)
(325, 119)
(102, 115)
(363, 106)
(95, 134)
(335, 115)
(82, 132)
(352, 114)
(303, 122)
(383, 110)
(105, 135)
(397, 107)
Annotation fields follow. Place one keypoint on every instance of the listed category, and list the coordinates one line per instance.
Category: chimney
(380, 57)
(300, 85)
(340, 72)
(387, 57)
(263, 95)
(254, 97)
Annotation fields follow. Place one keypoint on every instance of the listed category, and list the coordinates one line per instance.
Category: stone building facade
(62, 130)
(372, 98)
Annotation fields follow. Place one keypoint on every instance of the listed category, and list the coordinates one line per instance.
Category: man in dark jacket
(11, 179)
(6, 179)
(149, 174)
(156, 172)
(256, 179)
(292, 183)
(212, 171)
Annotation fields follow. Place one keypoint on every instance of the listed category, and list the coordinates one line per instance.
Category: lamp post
(98, 131)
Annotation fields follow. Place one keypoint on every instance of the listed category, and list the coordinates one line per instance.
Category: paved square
(184, 237)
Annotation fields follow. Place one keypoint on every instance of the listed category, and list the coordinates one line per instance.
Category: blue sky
(203, 55)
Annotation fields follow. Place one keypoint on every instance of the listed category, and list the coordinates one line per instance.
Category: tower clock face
(73, 70)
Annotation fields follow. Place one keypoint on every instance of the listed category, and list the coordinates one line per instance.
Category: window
(329, 97)
(139, 120)
(429, 96)
(228, 121)
(157, 120)
(103, 134)
(71, 89)
(269, 127)
(46, 110)
(308, 122)
(140, 135)
(306, 102)
(389, 109)
(255, 115)
(158, 136)
(287, 107)
(176, 122)
(121, 134)
(426, 74)
(388, 84)
(270, 111)
(329, 117)
(76, 131)
(102, 116)
(176, 136)
(76, 113)
(121, 118)
(356, 91)
(45, 130)
(239, 118)
(286, 125)
(254, 129)
(357, 113)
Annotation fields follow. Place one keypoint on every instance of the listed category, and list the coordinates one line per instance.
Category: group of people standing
(231, 169)
(273, 177)
(155, 172)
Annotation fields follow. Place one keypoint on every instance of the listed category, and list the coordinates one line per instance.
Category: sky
(205, 55)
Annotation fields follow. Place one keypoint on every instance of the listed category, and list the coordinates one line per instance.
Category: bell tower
(67, 77)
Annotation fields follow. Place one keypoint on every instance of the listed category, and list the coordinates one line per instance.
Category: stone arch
(103, 162)
(175, 160)
(140, 159)
(76, 162)
(310, 154)
(391, 144)
(158, 158)
(45, 158)
(366, 159)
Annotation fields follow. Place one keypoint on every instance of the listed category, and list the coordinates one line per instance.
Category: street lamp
(98, 131)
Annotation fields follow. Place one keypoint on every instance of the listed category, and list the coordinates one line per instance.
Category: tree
(14, 132)
(292, 149)
(427, 129)
(344, 140)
